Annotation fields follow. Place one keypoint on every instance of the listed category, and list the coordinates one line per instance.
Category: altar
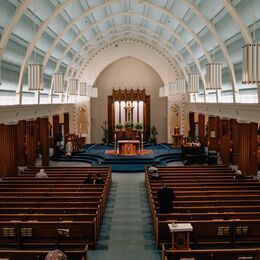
(128, 147)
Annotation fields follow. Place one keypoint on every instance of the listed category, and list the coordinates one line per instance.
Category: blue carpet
(95, 154)
(127, 230)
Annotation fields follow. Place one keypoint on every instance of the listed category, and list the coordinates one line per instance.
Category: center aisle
(127, 231)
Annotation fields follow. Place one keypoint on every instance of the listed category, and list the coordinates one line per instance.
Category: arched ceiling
(65, 34)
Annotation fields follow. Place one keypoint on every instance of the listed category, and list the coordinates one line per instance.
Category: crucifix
(129, 111)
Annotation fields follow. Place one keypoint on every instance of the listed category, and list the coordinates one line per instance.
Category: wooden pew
(213, 254)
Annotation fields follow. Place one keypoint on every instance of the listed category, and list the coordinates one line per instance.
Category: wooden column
(44, 141)
(224, 137)
(202, 128)
(192, 124)
(31, 142)
(56, 133)
(66, 124)
(213, 133)
(20, 143)
(8, 156)
(234, 141)
(247, 156)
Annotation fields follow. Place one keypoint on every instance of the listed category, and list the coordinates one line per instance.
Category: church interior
(130, 129)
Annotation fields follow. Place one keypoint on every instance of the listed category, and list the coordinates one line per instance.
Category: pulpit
(180, 235)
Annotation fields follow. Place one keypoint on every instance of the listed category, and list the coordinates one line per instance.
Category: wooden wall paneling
(66, 124)
(147, 116)
(20, 143)
(234, 141)
(224, 137)
(244, 148)
(56, 133)
(192, 124)
(31, 142)
(44, 141)
(202, 129)
(8, 155)
(212, 133)
(110, 118)
(253, 148)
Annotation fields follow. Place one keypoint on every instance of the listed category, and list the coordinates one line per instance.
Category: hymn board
(129, 105)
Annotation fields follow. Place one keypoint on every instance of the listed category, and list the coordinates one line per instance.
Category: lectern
(180, 235)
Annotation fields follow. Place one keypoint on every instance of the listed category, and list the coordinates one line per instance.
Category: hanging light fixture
(180, 86)
(172, 88)
(194, 82)
(94, 92)
(251, 64)
(161, 92)
(35, 77)
(213, 76)
(251, 59)
(58, 83)
(35, 71)
(73, 87)
(83, 89)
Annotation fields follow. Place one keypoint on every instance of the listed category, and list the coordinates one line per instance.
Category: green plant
(138, 126)
(119, 126)
(105, 135)
(129, 124)
(154, 133)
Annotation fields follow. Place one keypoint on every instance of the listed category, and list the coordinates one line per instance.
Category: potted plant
(129, 124)
(154, 133)
(119, 132)
(119, 126)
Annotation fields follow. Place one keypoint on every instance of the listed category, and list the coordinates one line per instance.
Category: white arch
(133, 41)
(8, 30)
(138, 33)
(238, 21)
(147, 19)
(193, 8)
(109, 55)
(41, 30)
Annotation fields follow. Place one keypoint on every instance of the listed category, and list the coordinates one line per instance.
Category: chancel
(143, 116)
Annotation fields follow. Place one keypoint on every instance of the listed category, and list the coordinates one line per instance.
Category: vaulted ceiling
(64, 35)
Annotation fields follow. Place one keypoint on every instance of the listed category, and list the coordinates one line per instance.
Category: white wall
(128, 73)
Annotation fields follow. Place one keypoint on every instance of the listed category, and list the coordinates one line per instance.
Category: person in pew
(88, 179)
(99, 179)
(239, 175)
(155, 176)
(56, 255)
(153, 168)
(165, 198)
(41, 174)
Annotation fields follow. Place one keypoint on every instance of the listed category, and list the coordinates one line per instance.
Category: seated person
(41, 174)
(99, 179)
(239, 175)
(165, 198)
(196, 143)
(153, 168)
(155, 176)
(56, 255)
(88, 179)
